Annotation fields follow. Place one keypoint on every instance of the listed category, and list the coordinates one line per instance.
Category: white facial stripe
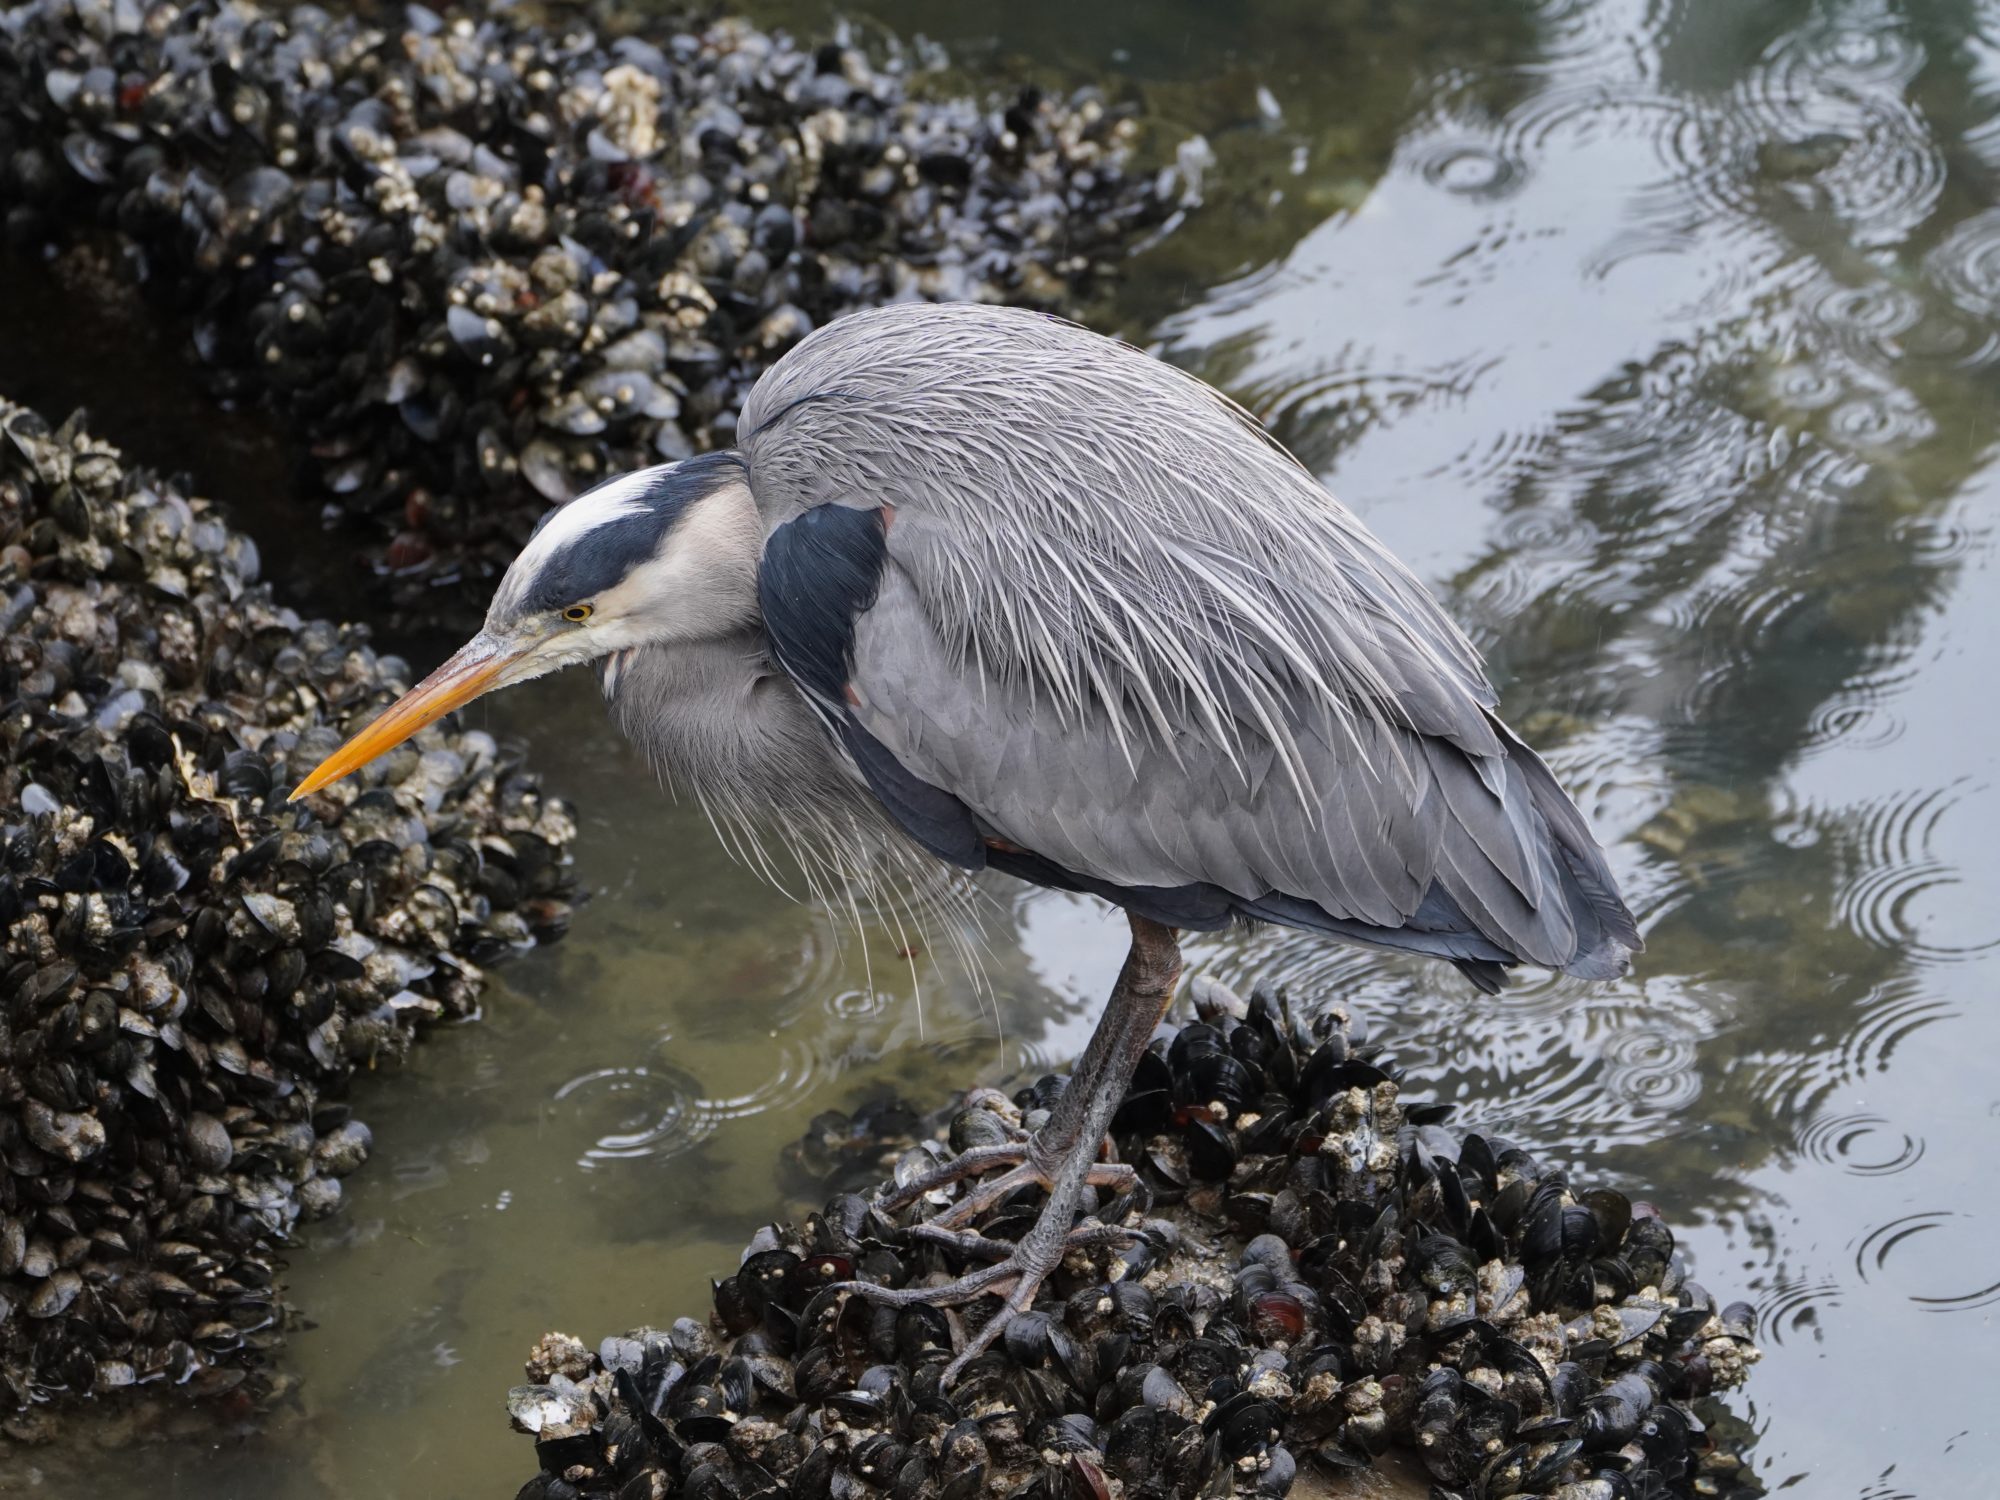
(620, 497)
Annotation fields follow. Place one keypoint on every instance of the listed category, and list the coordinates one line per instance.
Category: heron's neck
(717, 718)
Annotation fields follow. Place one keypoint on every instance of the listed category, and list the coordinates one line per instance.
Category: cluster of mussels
(477, 264)
(1317, 1273)
(192, 970)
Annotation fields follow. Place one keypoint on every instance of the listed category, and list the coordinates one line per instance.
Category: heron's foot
(1065, 1169)
(1014, 1278)
(1024, 1169)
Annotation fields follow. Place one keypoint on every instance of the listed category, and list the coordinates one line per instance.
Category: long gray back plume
(1136, 637)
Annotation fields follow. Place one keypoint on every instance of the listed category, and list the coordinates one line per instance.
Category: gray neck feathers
(722, 724)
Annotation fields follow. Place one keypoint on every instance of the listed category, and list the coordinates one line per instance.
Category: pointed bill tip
(475, 668)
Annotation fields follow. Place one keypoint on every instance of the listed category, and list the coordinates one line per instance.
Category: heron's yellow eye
(577, 613)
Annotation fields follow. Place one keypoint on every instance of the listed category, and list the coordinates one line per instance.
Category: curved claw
(1015, 1276)
(1018, 1301)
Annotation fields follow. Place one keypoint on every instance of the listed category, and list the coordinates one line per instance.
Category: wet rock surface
(475, 264)
(192, 969)
(1321, 1279)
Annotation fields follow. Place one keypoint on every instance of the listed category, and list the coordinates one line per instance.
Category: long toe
(970, 1243)
(956, 1293)
(1032, 1270)
(978, 1160)
(1015, 1279)
(1019, 1268)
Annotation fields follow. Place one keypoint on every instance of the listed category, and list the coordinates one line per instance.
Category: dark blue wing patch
(1437, 929)
(933, 817)
(820, 571)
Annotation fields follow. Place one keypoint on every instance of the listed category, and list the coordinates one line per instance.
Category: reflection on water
(1662, 339)
(1676, 372)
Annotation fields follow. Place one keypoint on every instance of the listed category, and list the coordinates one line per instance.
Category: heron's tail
(1606, 935)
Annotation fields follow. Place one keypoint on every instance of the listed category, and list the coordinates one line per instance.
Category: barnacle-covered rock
(191, 969)
(476, 264)
(1318, 1276)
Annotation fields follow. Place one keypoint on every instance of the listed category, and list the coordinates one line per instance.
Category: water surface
(1663, 340)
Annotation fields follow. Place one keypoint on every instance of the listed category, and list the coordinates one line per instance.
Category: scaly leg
(1062, 1156)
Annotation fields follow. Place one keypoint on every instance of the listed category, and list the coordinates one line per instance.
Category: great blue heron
(981, 589)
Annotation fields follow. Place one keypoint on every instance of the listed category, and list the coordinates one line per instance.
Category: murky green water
(1664, 340)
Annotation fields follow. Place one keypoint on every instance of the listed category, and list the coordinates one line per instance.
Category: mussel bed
(193, 969)
(1320, 1273)
(474, 264)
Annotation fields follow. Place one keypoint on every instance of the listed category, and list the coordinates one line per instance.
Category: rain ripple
(1887, 326)
(1705, 155)
(1791, 1311)
(1535, 550)
(1866, 319)
(1653, 1067)
(635, 1113)
(1966, 264)
(857, 1005)
(1795, 1085)
(1880, 421)
(1936, 1241)
(1835, 131)
(1852, 718)
(1862, 1145)
(1466, 168)
(1491, 463)
(1319, 415)
(656, 1111)
(1885, 898)
(789, 1083)
(1935, 541)
(1858, 715)
(1869, 1046)
(1807, 386)
(1864, 47)
(1571, 35)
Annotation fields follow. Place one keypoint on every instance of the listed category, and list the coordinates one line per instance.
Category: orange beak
(476, 667)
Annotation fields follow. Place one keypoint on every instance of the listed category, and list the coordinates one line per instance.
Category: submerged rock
(477, 264)
(192, 969)
(1318, 1276)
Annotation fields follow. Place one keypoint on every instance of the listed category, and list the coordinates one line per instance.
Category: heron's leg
(1062, 1156)
(1034, 1160)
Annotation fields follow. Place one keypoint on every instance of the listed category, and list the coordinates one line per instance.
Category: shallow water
(1664, 342)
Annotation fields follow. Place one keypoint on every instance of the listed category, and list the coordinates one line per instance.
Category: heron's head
(663, 556)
